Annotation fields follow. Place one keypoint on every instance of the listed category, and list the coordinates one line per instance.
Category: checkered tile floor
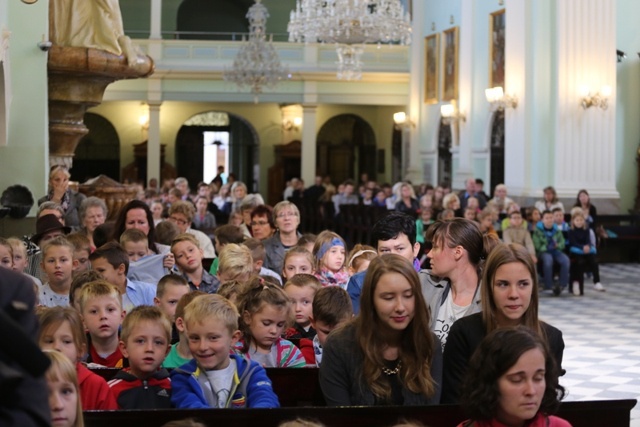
(602, 336)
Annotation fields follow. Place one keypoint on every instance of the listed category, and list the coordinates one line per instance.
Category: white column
(411, 161)
(308, 155)
(156, 19)
(153, 145)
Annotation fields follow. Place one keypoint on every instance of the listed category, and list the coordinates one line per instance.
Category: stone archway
(98, 152)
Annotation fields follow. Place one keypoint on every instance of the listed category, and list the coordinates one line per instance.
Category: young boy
(331, 308)
(224, 235)
(101, 310)
(558, 219)
(301, 289)
(112, 262)
(135, 243)
(515, 233)
(169, 291)
(235, 263)
(180, 353)
(216, 378)
(58, 265)
(257, 254)
(189, 256)
(144, 265)
(146, 332)
(549, 243)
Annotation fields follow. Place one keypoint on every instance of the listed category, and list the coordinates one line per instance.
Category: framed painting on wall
(496, 48)
(450, 64)
(431, 77)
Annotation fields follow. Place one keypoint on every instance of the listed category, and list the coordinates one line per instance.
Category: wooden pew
(609, 413)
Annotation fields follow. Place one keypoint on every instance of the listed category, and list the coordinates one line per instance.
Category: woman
(238, 193)
(93, 212)
(262, 225)
(451, 201)
(550, 200)
(452, 287)
(59, 192)
(384, 356)
(286, 216)
(500, 199)
(512, 382)
(407, 201)
(136, 214)
(509, 298)
(583, 200)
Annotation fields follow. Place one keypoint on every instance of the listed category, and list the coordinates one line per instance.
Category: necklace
(393, 371)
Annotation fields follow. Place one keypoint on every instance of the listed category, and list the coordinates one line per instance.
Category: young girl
(297, 260)
(329, 252)
(360, 257)
(64, 402)
(533, 218)
(265, 311)
(203, 219)
(582, 246)
(512, 381)
(6, 254)
(21, 258)
(61, 330)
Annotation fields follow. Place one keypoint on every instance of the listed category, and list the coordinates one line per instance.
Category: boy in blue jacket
(215, 378)
(549, 243)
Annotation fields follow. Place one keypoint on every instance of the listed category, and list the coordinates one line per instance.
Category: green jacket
(540, 239)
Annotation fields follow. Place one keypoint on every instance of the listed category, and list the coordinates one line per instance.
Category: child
(549, 243)
(516, 234)
(21, 259)
(189, 256)
(144, 264)
(169, 291)
(307, 240)
(224, 235)
(582, 246)
(257, 254)
(301, 289)
(166, 231)
(235, 263)
(64, 402)
(533, 218)
(6, 254)
(558, 219)
(156, 209)
(231, 291)
(81, 251)
(135, 243)
(447, 214)
(360, 257)
(112, 262)
(101, 309)
(204, 220)
(297, 260)
(470, 213)
(61, 330)
(58, 265)
(180, 353)
(329, 251)
(485, 222)
(216, 378)
(77, 283)
(146, 333)
(423, 223)
(235, 218)
(331, 308)
(266, 311)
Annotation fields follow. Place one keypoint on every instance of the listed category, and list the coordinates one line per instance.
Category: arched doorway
(445, 159)
(98, 152)
(497, 149)
(343, 141)
(212, 139)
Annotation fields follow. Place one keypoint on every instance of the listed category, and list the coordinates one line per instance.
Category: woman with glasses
(286, 217)
(60, 193)
(262, 225)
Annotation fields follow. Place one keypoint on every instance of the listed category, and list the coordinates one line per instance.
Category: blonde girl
(64, 399)
(61, 330)
(359, 258)
(329, 252)
(6, 254)
(297, 260)
(265, 311)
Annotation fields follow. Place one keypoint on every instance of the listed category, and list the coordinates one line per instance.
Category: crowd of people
(192, 295)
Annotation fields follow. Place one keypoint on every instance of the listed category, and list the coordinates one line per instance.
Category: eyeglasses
(286, 214)
(178, 221)
(254, 223)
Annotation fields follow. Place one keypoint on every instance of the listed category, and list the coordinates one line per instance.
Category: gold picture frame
(496, 48)
(431, 74)
(450, 64)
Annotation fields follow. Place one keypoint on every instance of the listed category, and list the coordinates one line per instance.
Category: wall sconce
(143, 120)
(598, 99)
(450, 114)
(621, 55)
(498, 101)
(401, 121)
(292, 125)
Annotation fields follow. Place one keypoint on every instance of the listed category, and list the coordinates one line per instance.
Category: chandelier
(257, 64)
(348, 23)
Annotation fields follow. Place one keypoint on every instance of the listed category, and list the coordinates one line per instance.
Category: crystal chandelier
(348, 23)
(257, 64)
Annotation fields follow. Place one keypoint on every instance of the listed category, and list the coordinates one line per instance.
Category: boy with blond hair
(331, 308)
(135, 243)
(144, 264)
(81, 251)
(258, 253)
(101, 310)
(180, 353)
(215, 378)
(168, 293)
(188, 254)
(146, 332)
(58, 265)
(235, 263)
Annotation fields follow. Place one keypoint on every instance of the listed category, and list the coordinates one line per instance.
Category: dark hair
(462, 232)
(79, 280)
(113, 253)
(166, 231)
(229, 234)
(390, 226)
(578, 198)
(552, 190)
(120, 224)
(102, 234)
(331, 305)
(497, 353)
(266, 211)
